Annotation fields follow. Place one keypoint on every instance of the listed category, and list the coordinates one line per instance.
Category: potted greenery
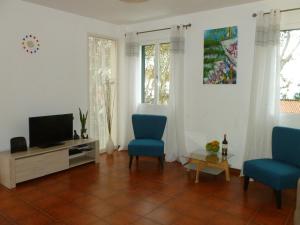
(83, 119)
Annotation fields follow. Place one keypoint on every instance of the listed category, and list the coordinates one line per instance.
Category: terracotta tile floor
(110, 194)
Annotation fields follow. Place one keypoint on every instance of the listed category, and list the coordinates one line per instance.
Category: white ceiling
(118, 12)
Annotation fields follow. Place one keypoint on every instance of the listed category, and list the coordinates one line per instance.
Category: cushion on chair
(286, 145)
(148, 126)
(146, 147)
(274, 173)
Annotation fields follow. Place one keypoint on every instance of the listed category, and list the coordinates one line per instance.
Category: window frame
(156, 44)
(281, 111)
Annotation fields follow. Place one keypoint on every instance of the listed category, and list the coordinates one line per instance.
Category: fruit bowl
(213, 146)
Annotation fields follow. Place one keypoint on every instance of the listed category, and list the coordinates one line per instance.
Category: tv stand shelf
(37, 162)
(80, 160)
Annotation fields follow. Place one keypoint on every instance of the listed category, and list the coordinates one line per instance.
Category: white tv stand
(37, 162)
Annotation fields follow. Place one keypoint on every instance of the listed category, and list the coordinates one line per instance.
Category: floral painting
(220, 55)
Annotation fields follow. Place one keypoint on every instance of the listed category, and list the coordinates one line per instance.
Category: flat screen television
(46, 131)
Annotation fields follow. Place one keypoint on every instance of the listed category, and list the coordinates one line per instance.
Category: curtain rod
(167, 28)
(285, 10)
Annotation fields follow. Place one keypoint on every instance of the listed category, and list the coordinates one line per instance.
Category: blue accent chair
(283, 170)
(148, 132)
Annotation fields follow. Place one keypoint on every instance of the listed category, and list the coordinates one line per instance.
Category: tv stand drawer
(41, 165)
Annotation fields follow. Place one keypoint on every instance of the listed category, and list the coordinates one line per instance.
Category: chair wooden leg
(130, 161)
(137, 160)
(161, 161)
(246, 182)
(278, 198)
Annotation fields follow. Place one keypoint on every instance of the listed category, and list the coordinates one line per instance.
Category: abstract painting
(220, 56)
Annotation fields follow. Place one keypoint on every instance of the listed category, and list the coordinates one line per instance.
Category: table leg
(200, 166)
(188, 162)
(197, 173)
(227, 173)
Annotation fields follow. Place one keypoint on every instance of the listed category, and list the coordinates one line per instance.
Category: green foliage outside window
(164, 69)
(156, 73)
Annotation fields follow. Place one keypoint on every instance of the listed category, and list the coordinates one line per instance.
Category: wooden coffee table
(203, 159)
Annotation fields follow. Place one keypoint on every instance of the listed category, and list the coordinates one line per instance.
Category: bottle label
(224, 149)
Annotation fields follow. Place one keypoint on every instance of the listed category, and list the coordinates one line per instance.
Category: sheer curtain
(102, 66)
(132, 52)
(174, 133)
(175, 141)
(264, 102)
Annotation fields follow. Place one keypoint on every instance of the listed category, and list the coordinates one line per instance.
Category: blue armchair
(283, 170)
(148, 132)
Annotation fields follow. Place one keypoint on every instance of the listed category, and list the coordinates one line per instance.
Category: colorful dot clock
(30, 44)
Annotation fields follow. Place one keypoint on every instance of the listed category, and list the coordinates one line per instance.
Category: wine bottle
(224, 146)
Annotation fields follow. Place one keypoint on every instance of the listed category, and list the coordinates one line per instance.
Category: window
(156, 73)
(290, 72)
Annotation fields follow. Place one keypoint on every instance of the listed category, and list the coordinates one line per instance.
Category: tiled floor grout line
(211, 195)
(249, 219)
(7, 219)
(43, 211)
(135, 181)
(290, 216)
(160, 206)
(254, 216)
(40, 210)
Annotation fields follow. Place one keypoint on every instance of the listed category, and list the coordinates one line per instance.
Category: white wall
(212, 110)
(55, 80)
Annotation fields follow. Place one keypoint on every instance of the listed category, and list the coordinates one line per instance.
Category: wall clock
(30, 44)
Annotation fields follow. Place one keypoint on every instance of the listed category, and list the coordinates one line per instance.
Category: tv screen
(45, 131)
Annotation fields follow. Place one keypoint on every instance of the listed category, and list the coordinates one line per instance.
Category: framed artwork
(220, 56)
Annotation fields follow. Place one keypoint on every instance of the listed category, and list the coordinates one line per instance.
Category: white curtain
(264, 102)
(174, 133)
(132, 52)
(175, 141)
(102, 67)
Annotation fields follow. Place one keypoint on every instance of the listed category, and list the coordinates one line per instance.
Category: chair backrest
(148, 126)
(286, 145)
